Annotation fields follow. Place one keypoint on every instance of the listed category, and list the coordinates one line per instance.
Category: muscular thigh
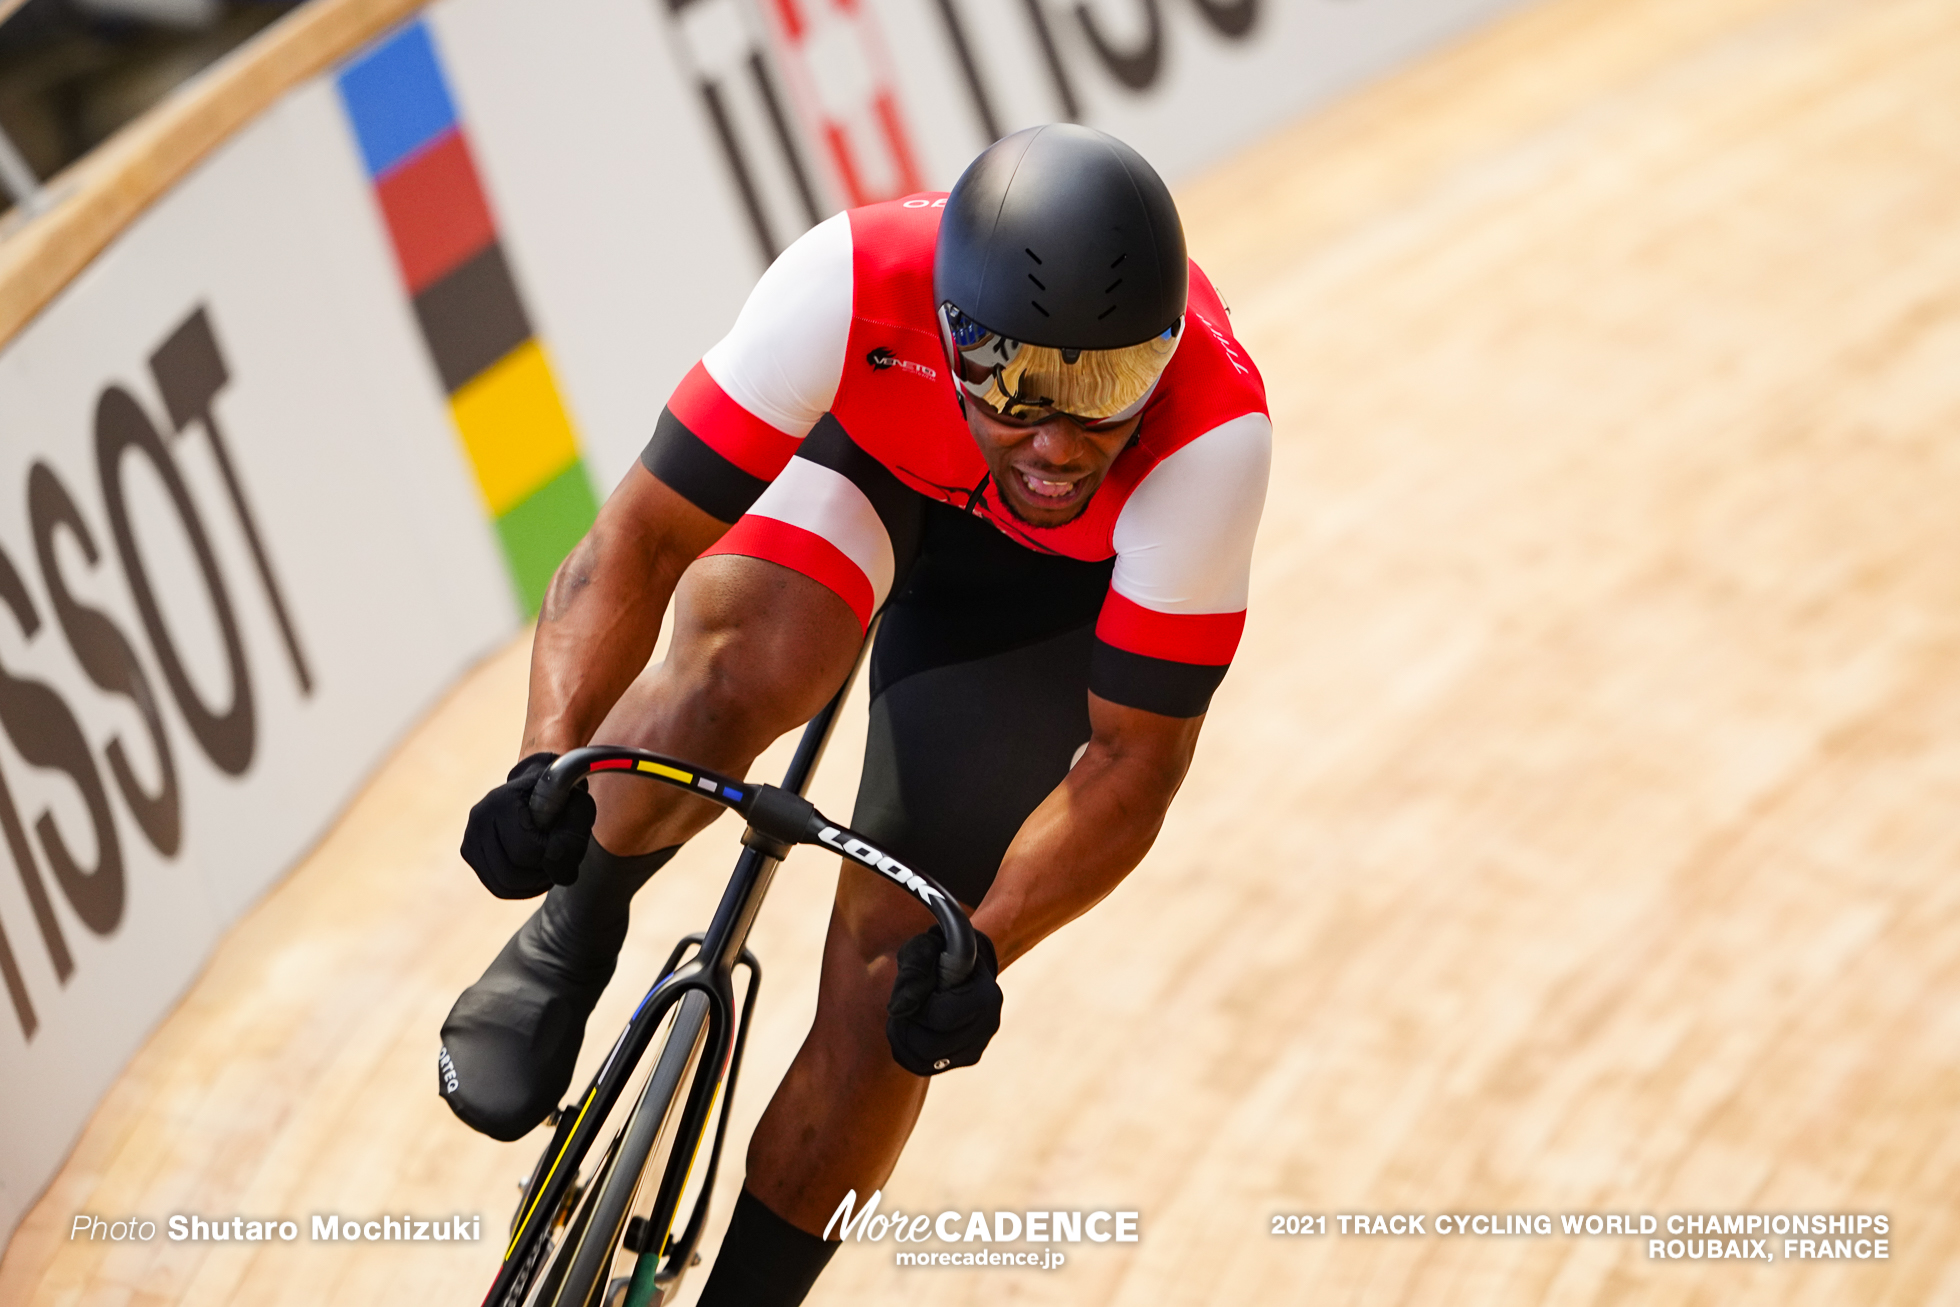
(767, 623)
(980, 698)
(757, 649)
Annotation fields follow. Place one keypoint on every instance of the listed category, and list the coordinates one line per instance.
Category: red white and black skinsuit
(825, 426)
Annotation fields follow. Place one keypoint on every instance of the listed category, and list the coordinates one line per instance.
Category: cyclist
(1015, 419)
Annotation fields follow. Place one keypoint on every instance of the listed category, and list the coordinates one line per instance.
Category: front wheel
(547, 1287)
(589, 1253)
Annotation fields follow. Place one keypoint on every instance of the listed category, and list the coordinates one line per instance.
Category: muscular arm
(602, 613)
(1092, 830)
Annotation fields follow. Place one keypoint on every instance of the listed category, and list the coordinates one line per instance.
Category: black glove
(505, 848)
(933, 1029)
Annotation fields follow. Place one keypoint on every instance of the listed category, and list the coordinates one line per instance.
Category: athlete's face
(1046, 470)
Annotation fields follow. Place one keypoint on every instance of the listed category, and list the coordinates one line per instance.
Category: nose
(1058, 440)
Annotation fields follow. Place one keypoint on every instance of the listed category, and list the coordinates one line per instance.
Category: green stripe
(541, 530)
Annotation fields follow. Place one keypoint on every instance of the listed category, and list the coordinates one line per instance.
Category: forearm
(593, 636)
(602, 613)
(1089, 833)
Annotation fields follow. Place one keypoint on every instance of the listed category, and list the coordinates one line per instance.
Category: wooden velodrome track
(1577, 832)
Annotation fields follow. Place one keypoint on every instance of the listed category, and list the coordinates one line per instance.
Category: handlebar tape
(548, 799)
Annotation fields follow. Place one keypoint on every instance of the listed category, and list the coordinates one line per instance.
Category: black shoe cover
(512, 1039)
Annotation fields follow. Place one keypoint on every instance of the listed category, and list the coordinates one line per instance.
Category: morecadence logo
(869, 1225)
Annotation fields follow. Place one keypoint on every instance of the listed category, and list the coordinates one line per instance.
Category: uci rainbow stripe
(503, 398)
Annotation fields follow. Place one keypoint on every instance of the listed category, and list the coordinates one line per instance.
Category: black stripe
(472, 317)
(1064, 89)
(897, 505)
(1153, 684)
(17, 990)
(731, 150)
(691, 468)
(977, 89)
(764, 87)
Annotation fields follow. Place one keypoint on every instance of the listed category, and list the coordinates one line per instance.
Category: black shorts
(979, 695)
(983, 665)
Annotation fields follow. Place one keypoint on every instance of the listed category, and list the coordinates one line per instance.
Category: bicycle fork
(717, 952)
(664, 1257)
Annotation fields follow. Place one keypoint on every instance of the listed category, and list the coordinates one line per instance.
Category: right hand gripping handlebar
(778, 815)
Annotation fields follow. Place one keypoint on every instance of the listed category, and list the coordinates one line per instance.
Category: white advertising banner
(648, 157)
(237, 558)
(252, 514)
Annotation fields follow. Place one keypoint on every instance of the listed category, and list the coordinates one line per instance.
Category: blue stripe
(396, 96)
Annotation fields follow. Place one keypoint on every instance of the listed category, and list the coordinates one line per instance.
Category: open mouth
(1048, 494)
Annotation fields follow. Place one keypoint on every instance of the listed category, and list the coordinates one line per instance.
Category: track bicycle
(597, 1228)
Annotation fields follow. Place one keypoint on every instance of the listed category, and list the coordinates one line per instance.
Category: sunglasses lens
(1028, 383)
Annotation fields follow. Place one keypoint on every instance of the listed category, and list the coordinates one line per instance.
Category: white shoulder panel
(782, 358)
(1184, 539)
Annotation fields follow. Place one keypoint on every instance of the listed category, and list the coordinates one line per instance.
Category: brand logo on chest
(883, 359)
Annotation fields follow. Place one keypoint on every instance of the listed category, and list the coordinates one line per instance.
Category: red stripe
(612, 764)
(908, 167)
(729, 429)
(791, 20)
(1207, 639)
(802, 551)
(435, 210)
(840, 154)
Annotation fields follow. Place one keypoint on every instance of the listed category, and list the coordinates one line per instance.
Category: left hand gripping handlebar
(775, 813)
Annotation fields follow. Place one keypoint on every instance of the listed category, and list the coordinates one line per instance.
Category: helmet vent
(1036, 257)
(1037, 281)
(1119, 258)
(1038, 309)
(1111, 288)
(1106, 312)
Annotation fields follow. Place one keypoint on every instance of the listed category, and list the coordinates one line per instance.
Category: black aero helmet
(1060, 275)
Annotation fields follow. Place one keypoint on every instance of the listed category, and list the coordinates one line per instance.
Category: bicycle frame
(779, 817)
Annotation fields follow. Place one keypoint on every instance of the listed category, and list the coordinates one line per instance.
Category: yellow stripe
(545, 1183)
(693, 1157)
(514, 427)
(685, 778)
